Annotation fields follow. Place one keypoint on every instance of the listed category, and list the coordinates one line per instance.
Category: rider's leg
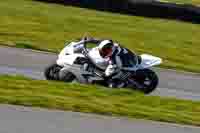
(116, 81)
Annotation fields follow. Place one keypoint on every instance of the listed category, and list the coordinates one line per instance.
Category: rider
(115, 60)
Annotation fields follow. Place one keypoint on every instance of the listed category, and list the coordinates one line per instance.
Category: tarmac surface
(18, 119)
(32, 63)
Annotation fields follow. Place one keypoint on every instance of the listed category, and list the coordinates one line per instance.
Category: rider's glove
(110, 70)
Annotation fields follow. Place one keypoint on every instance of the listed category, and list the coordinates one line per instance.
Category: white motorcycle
(78, 67)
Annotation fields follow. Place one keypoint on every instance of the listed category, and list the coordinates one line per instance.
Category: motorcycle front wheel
(51, 72)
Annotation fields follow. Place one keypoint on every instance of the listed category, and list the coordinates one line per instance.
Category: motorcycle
(79, 67)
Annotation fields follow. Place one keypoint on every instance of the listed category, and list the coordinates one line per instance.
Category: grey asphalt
(16, 119)
(32, 64)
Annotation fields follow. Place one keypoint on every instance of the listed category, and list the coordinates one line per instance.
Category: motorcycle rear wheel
(148, 79)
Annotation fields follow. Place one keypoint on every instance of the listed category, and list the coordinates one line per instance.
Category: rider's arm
(115, 63)
(113, 67)
(110, 70)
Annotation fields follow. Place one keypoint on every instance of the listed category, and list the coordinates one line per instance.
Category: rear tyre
(148, 79)
(51, 72)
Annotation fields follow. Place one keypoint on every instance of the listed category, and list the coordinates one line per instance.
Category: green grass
(193, 2)
(47, 26)
(196, 2)
(95, 99)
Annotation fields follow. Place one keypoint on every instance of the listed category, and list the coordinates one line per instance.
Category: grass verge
(193, 2)
(95, 99)
(47, 26)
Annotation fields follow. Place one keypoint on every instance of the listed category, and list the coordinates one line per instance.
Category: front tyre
(51, 72)
(72, 74)
(66, 76)
(147, 79)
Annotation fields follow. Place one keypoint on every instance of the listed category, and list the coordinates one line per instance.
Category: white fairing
(149, 61)
(67, 56)
(68, 59)
(69, 49)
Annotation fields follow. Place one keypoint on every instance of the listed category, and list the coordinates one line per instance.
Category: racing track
(31, 63)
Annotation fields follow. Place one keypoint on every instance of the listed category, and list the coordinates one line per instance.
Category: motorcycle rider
(111, 57)
(120, 60)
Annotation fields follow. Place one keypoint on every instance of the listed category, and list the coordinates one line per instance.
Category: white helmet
(106, 48)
